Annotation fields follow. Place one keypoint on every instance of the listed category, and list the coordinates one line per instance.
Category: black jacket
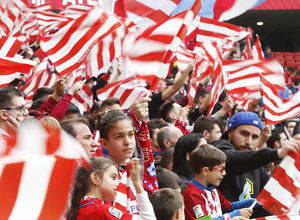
(244, 171)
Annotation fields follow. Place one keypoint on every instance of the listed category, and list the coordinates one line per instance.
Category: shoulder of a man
(222, 144)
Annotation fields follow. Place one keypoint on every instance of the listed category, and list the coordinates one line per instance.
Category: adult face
(215, 134)
(85, 137)
(283, 140)
(18, 108)
(244, 137)
(175, 134)
(290, 127)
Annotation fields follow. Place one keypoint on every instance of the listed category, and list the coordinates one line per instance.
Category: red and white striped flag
(224, 33)
(220, 75)
(128, 91)
(283, 188)
(288, 216)
(11, 68)
(37, 168)
(147, 13)
(40, 78)
(150, 51)
(83, 99)
(9, 46)
(67, 48)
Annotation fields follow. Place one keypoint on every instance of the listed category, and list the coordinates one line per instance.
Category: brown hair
(206, 156)
(99, 165)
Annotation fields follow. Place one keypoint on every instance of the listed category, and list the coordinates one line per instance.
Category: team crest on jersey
(151, 169)
(198, 211)
(115, 212)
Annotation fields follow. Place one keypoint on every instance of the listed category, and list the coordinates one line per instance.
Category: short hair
(163, 134)
(275, 136)
(36, 104)
(165, 203)
(205, 123)
(96, 107)
(223, 96)
(155, 123)
(72, 108)
(167, 157)
(7, 93)
(165, 109)
(167, 179)
(206, 156)
(290, 68)
(68, 124)
(40, 93)
(110, 101)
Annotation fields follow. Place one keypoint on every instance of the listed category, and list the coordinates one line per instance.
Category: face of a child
(121, 142)
(216, 174)
(109, 184)
(181, 213)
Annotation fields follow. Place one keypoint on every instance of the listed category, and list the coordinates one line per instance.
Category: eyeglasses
(21, 109)
(218, 168)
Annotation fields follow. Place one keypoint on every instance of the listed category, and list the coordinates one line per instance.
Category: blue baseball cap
(243, 118)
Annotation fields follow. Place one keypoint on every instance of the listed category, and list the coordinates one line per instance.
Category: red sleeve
(48, 105)
(179, 124)
(225, 204)
(61, 108)
(194, 203)
(105, 77)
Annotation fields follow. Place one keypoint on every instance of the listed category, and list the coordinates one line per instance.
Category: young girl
(118, 138)
(97, 182)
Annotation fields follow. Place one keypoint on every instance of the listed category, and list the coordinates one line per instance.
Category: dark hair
(205, 123)
(274, 137)
(109, 102)
(107, 120)
(42, 93)
(165, 203)
(68, 124)
(7, 93)
(223, 96)
(165, 109)
(96, 107)
(167, 179)
(155, 123)
(206, 156)
(167, 157)
(36, 104)
(99, 165)
(72, 108)
(290, 68)
(185, 144)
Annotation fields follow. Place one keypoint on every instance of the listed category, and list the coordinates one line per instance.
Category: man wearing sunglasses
(246, 176)
(12, 110)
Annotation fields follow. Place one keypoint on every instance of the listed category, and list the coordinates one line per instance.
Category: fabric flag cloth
(67, 48)
(221, 10)
(11, 68)
(150, 51)
(36, 172)
(281, 191)
(83, 99)
(147, 13)
(43, 76)
(128, 91)
(9, 46)
(288, 216)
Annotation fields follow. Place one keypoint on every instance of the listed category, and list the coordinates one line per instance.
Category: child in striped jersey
(118, 138)
(98, 181)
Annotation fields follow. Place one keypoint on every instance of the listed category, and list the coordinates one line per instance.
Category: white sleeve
(146, 209)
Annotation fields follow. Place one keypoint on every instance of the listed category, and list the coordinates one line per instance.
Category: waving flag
(281, 191)
(289, 216)
(150, 51)
(43, 165)
(68, 47)
(11, 68)
(83, 99)
(9, 46)
(128, 91)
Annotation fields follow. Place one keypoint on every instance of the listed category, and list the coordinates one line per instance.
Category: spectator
(288, 75)
(92, 116)
(167, 158)
(111, 103)
(209, 127)
(167, 136)
(167, 204)
(183, 148)
(201, 198)
(168, 179)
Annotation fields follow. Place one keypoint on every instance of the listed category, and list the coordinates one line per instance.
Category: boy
(201, 198)
(167, 204)
(168, 179)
